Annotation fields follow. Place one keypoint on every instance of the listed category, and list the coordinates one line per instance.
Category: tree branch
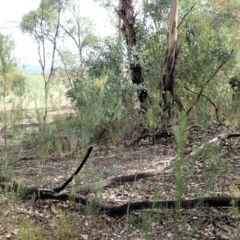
(59, 189)
(185, 15)
(216, 108)
(208, 80)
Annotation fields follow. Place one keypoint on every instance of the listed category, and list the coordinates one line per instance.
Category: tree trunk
(126, 13)
(171, 57)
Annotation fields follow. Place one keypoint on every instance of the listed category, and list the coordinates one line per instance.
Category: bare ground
(67, 220)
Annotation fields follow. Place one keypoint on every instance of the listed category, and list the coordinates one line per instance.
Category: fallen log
(118, 211)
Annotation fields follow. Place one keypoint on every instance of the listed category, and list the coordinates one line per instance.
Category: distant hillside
(31, 68)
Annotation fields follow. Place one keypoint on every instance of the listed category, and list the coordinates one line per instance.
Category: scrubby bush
(101, 109)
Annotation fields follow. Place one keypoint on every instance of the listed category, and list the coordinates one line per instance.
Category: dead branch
(186, 14)
(117, 180)
(217, 140)
(214, 105)
(157, 135)
(208, 80)
(142, 136)
(118, 211)
(169, 204)
(59, 189)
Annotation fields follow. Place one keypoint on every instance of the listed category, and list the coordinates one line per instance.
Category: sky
(11, 12)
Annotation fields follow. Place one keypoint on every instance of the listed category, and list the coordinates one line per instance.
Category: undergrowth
(102, 117)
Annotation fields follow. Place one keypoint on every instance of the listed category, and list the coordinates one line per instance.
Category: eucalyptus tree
(43, 24)
(203, 39)
(77, 36)
(126, 13)
(206, 58)
(126, 22)
(171, 55)
(136, 27)
(177, 44)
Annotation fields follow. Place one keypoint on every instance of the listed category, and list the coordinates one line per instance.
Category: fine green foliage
(100, 110)
(7, 73)
(185, 166)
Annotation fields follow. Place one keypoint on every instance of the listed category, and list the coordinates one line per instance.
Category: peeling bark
(171, 57)
(125, 12)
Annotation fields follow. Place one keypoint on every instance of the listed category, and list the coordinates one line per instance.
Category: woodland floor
(50, 219)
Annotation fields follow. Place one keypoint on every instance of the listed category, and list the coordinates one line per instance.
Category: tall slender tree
(43, 25)
(171, 57)
(78, 31)
(7, 67)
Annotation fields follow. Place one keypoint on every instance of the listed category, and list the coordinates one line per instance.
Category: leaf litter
(84, 223)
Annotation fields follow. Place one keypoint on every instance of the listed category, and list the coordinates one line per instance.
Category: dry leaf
(234, 190)
(15, 231)
(54, 209)
(8, 235)
(84, 236)
(6, 213)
